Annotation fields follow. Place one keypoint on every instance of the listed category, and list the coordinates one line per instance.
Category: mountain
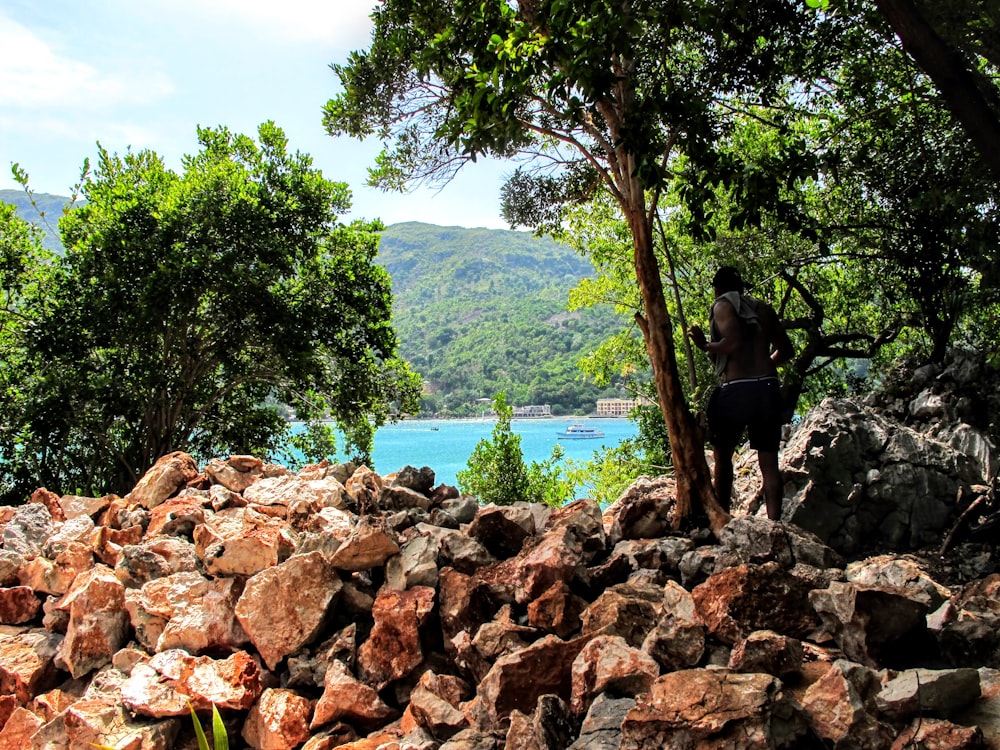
(476, 311)
(44, 213)
(483, 310)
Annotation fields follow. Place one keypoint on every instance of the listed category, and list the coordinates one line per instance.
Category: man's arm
(781, 346)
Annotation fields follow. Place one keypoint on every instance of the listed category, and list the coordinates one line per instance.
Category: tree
(185, 303)
(609, 93)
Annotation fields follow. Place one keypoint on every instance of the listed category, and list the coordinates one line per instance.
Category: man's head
(727, 279)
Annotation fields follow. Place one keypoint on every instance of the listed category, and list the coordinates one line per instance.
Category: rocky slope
(339, 608)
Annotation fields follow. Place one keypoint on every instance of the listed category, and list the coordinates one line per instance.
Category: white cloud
(35, 76)
(341, 23)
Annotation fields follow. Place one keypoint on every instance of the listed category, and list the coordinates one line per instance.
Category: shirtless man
(747, 345)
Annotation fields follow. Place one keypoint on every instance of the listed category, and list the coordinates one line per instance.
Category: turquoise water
(446, 444)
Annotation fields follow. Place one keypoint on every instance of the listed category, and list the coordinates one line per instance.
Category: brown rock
(543, 561)
(503, 529)
(189, 612)
(155, 558)
(166, 478)
(74, 506)
(631, 610)
(103, 720)
(171, 679)
(282, 608)
(17, 731)
(240, 541)
(768, 652)
(56, 576)
(279, 720)
(557, 610)
(872, 625)
(434, 704)
(936, 734)
(237, 473)
(737, 601)
(609, 664)
(837, 706)
(18, 604)
(700, 709)
(678, 639)
(368, 546)
(347, 699)
(98, 624)
(50, 500)
(393, 648)
(517, 680)
(27, 662)
(176, 516)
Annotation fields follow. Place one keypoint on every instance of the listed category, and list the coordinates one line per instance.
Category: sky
(144, 74)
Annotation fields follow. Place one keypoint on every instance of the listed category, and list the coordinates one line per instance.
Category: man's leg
(774, 486)
(723, 477)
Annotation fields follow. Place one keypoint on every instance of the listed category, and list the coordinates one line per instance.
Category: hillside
(45, 213)
(476, 311)
(481, 310)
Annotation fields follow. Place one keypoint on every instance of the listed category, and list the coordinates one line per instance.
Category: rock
(56, 576)
(172, 680)
(608, 664)
(369, 545)
(517, 680)
(74, 506)
(283, 607)
(872, 625)
(735, 602)
(902, 573)
(279, 720)
(435, 704)
(677, 641)
(240, 541)
(298, 495)
(187, 611)
(550, 726)
(27, 531)
(18, 605)
(393, 649)
(557, 610)
(503, 529)
(768, 652)
(837, 705)
(165, 479)
(19, 728)
(176, 516)
(630, 610)
(941, 693)
(939, 735)
(237, 473)
(97, 621)
(642, 511)
(757, 540)
(155, 558)
(346, 699)
(415, 565)
(602, 727)
(713, 708)
(27, 662)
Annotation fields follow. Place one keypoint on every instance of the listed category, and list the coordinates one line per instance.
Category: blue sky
(145, 73)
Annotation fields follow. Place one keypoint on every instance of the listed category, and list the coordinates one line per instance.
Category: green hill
(476, 311)
(45, 213)
(481, 310)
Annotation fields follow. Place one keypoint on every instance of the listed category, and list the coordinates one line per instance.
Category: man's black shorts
(751, 405)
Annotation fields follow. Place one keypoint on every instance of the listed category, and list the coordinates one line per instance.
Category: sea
(446, 444)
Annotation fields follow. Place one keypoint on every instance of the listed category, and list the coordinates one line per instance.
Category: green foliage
(498, 475)
(481, 311)
(220, 738)
(186, 305)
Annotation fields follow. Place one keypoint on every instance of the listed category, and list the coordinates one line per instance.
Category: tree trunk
(951, 76)
(694, 483)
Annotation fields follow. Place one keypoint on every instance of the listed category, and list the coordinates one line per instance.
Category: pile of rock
(334, 607)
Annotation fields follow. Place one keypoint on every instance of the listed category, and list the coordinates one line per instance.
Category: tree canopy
(187, 305)
(607, 95)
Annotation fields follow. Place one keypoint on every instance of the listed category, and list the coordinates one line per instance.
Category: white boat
(579, 432)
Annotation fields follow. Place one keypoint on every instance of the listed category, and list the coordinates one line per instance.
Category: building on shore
(618, 407)
(533, 411)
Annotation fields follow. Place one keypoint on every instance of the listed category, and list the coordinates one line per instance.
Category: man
(748, 343)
